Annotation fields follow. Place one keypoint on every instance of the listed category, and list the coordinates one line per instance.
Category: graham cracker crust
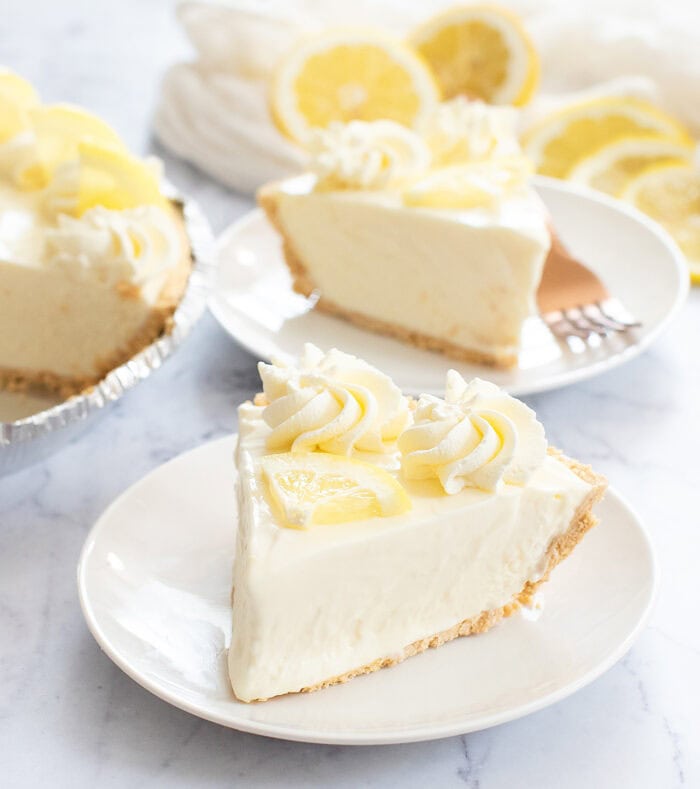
(558, 549)
(303, 283)
(159, 322)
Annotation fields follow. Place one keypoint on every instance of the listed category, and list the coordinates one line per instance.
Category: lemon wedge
(345, 75)
(17, 96)
(610, 168)
(59, 130)
(670, 194)
(466, 186)
(114, 179)
(483, 52)
(322, 489)
(558, 142)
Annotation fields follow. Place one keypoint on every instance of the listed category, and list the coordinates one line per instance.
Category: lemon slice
(346, 75)
(59, 129)
(558, 142)
(322, 489)
(466, 186)
(17, 96)
(114, 179)
(483, 52)
(610, 168)
(670, 194)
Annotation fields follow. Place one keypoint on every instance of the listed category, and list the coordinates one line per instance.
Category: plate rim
(338, 737)
(218, 307)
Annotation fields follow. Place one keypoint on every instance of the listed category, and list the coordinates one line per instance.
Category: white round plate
(155, 582)
(254, 301)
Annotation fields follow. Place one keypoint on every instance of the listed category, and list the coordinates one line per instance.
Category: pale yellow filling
(468, 278)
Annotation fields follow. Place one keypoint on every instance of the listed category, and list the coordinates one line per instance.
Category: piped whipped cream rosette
(461, 130)
(362, 155)
(132, 245)
(476, 437)
(332, 403)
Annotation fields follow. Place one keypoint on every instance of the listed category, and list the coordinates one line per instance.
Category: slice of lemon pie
(372, 527)
(93, 258)
(432, 236)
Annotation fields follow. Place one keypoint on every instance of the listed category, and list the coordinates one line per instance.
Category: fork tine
(601, 327)
(624, 324)
(602, 320)
(579, 319)
(562, 327)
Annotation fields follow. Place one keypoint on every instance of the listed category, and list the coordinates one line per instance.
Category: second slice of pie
(435, 238)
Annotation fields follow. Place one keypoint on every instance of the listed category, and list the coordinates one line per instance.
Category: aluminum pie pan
(31, 439)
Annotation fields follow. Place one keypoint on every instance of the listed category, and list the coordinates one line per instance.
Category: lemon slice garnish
(670, 194)
(483, 52)
(610, 168)
(466, 186)
(322, 489)
(558, 142)
(17, 96)
(114, 179)
(345, 75)
(59, 130)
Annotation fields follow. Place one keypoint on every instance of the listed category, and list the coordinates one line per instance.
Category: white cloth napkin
(213, 111)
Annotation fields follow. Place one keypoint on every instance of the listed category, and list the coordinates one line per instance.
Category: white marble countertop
(69, 717)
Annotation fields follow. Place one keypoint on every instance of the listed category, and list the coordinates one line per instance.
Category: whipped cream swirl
(332, 402)
(367, 155)
(460, 130)
(133, 245)
(475, 437)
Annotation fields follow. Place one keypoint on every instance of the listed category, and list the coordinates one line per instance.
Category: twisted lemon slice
(114, 179)
(558, 142)
(348, 74)
(59, 130)
(670, 194)
(482, 52)
(320, 489)
(17, 96)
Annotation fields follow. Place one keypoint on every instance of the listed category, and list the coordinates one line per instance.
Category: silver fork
(573, 302)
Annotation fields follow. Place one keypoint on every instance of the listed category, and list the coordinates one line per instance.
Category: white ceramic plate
(154, 582)
(254, 301)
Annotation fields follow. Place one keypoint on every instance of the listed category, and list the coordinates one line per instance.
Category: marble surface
(68, 717)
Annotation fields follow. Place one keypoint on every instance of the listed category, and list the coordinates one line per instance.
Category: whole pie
(94, 259)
